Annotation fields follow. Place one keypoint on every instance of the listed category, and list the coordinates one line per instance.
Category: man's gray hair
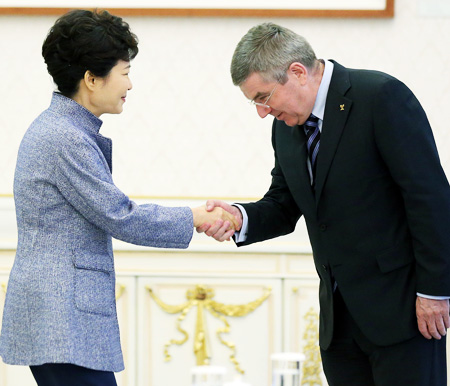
(269, 49)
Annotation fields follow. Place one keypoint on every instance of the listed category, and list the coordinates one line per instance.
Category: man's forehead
(255, 86)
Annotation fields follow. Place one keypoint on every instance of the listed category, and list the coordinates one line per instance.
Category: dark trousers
(65, 374)
(353, 360)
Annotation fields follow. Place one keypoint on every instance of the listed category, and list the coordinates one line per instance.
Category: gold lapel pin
(342, 107)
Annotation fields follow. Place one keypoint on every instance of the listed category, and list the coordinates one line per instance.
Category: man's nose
(263, 111)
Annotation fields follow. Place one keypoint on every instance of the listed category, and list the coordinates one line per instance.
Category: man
(363, 170)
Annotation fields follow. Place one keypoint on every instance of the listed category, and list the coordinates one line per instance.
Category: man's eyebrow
(258, 95)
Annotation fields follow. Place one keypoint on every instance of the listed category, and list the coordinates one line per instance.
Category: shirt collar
(321, 98)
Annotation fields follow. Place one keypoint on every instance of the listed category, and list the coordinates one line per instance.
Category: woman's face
(109, 93)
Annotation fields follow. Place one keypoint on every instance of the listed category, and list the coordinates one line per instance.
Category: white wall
(186, 131)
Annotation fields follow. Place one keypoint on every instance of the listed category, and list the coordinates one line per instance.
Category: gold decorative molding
(201, 297)
(312, 366)
(4, 287)
(221, 9)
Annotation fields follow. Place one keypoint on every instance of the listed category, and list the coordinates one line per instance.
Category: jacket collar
(84, 120)
(79, 115)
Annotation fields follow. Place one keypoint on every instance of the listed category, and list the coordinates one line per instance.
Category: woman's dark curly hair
(84, 40)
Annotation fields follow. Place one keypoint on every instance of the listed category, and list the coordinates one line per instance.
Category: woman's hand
(218, 214)
(221, 230)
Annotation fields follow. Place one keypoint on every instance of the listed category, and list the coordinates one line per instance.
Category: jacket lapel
(336, 113)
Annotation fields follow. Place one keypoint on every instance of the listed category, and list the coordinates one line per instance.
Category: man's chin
(289, 122)
(287, 119)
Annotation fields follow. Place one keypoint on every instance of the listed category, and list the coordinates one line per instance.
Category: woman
(60, 312)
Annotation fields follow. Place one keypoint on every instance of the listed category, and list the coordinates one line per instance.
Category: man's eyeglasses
(265, 103)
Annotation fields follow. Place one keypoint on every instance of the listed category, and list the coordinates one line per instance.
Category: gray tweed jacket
(60, 303)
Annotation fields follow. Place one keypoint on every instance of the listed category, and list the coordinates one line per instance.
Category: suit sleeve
(405, 141)
(82, 177)
(276, 214)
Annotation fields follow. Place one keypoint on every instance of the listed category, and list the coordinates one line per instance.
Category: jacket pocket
(394, 258)
(94, 283)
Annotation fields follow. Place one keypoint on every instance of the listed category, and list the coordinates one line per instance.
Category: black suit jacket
(379, 220)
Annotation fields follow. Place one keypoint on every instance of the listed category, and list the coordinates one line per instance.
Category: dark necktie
(313, 141)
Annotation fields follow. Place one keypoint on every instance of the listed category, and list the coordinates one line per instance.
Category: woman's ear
(90, 80)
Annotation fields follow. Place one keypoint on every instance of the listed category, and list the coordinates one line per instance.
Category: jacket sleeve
(405, 141)
(276, 214)
(83, 178)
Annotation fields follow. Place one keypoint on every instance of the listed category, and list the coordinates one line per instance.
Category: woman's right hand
(202, 217)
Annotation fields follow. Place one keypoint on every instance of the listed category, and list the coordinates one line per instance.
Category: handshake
(217, 219)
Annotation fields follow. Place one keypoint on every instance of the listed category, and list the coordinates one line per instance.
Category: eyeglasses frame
(264, 104)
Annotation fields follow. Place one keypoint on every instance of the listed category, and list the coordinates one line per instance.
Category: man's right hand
(219, 231)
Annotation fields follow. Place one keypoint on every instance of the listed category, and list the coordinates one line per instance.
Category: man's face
(291, 102)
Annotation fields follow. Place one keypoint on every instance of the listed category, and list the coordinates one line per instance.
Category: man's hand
(432, 317)
(203, 217)
(219, 230)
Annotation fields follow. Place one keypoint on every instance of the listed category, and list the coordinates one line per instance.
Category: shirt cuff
(241, 236)
(433, 297)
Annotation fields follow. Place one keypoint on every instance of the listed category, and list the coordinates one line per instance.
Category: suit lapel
(337, 109)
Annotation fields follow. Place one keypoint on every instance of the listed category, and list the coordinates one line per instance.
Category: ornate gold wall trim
(312, 367)
(201, 297)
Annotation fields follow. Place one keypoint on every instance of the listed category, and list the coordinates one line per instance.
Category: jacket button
(323, 227)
